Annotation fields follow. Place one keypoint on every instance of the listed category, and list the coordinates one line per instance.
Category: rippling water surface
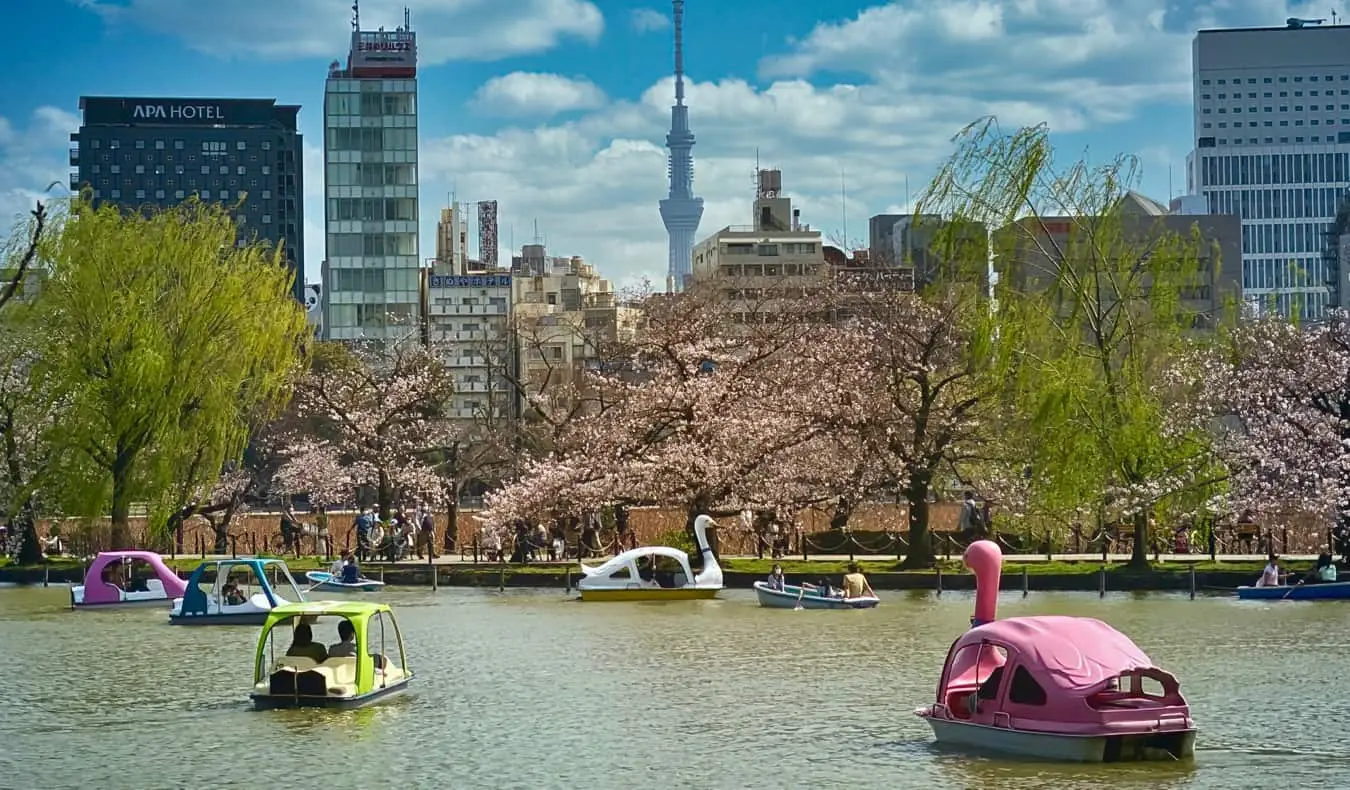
(532, 690)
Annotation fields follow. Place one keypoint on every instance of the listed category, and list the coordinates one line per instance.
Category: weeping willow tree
(1097, 289)
(168, 342)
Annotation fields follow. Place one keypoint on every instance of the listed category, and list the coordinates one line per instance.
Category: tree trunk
(451, 524)
(843, 511)
(25, 521)
(120, 535)
(920, 554)
(384, 496)
(1139, 556)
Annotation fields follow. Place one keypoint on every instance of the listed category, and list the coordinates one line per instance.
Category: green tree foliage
(169, 342)
(1096, 293)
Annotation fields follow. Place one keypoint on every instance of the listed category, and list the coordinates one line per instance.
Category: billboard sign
(384, 53)
(469, 281)
(487, 232)
(186, 112)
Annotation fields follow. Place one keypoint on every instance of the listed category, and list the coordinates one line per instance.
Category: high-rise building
(1272, 139)
(470, 323)
(140, 152)
(680, 211)
(372, 271)
(452, 240)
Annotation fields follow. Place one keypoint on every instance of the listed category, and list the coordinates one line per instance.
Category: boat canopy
(1077, 655)
(374, 627)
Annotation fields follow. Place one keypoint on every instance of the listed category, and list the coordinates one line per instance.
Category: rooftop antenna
(907, 191)
(1334, 16)
(356, 15)
(407, 18)
(1170, 192)
(843, 206)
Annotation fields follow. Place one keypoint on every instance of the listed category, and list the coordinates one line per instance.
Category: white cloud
(648, 20)
(482, 30)
(33, 158)
(540, 96)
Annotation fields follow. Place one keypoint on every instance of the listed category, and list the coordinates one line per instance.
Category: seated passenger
(776, 581)
(232, 595)
(335, 570)
(855, 584)
(351, 572)
(1324, 571)
(347, 647)
(1270, 577)
(303, 645)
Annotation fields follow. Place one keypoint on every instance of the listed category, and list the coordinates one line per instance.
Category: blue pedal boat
(323, 580)
(205, 602)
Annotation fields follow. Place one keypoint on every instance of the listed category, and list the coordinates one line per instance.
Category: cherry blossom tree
(1277, 397)
(906, 376)
(29, 409)
(379, 416)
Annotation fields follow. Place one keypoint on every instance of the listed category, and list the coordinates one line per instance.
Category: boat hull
(1326, 591)
(325, 582)
(129, 600)
(281, 701)
(231, 618)
(650, 594)
(792, 596)
(1131, 747)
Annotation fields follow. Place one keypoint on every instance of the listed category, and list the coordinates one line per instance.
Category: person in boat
(351, 572)
(335, 570)
(346, 644)
(303, 645)
(1270, 577)
(232, 595)
(1323, 571)
(855, 583)
(776, 580)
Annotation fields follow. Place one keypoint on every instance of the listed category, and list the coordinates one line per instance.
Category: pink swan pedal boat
(112, 581)
(1070, 689)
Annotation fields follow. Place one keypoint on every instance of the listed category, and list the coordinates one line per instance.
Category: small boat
(1068, 689)
(112, 581)
(808, 597)
(328, 582)
(205, 602)
(376, 667)
(1322, 591)
(655, 573)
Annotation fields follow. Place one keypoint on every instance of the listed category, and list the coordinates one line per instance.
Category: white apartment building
(469, 320)
(754, 262)
(1272, 134)
(372, 270)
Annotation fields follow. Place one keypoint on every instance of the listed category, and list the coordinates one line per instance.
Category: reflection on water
(528, 689)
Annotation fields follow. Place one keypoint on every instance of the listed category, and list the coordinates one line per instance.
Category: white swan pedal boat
(655, 573)
(330, 582)
(808, 597)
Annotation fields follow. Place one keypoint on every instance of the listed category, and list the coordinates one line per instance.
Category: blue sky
(558, 108)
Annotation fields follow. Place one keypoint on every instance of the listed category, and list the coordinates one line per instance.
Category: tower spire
(680, 211)
(678, 13)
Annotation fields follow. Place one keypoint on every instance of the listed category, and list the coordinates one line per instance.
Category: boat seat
(154, 586)
(679, 580)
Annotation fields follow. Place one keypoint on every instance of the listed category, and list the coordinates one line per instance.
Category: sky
(558, 109)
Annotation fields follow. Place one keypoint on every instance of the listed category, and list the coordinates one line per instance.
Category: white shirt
(1270, 577)
(336, 567)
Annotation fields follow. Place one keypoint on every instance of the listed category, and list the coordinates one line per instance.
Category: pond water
(529, 689)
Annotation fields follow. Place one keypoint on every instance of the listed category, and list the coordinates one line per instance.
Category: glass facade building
(372, 268)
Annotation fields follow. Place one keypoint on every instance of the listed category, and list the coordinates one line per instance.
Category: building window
(178, 194)
(206, 194)
(114, 144)
(1204, 82)
(240, 146)
(177, 145)
(266, 194)
(140, 194)
(224, 170)
(140, 144)
(140, 170)
(115, 169)
(267, 219)
(159, 194)
(115, 194)
(267, 171)
(239, 171)
(266, 146)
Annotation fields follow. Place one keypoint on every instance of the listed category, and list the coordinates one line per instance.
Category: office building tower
(372, 271)
(680, 211)
(1272, 135)
(139, 152)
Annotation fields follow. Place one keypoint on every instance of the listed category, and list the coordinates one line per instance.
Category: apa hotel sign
(179, 112)
(144, 111)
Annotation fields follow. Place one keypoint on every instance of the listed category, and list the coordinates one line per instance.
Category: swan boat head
(710, 576)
